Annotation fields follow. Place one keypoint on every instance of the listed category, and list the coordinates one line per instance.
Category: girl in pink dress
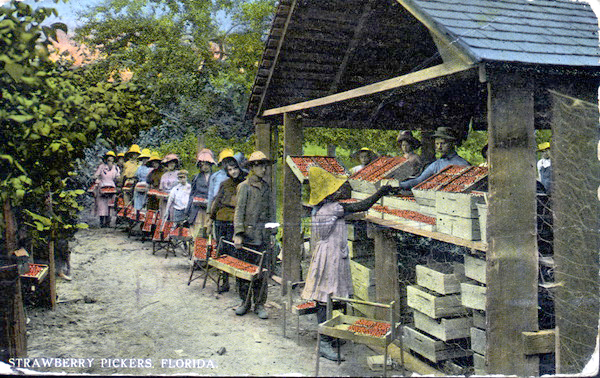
(329, 270)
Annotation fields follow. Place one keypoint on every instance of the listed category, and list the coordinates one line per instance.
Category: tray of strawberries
(158, 193)
(36, 271)
(300, 165)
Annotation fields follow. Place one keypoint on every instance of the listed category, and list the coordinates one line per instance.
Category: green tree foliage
(49, 114)
(167, 47)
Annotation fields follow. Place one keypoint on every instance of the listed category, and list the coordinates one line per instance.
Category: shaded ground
(126, 303)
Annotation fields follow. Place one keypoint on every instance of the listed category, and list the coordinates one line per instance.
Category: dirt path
(125, 303)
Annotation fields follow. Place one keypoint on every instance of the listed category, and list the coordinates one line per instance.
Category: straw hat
(182, 172)
(145, 154)
(170, 157)
(447, 133)
(407, 136)
(543, 146)
(205, 155)
(134, 149)
(110, 153)
(257, 157)
(153, 157)
(228, 152)
(323, 184)
(372, 154)
(121, 154)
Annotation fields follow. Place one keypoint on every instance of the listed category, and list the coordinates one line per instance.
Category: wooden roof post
(387, 288)
(292, 201)
(512, 260)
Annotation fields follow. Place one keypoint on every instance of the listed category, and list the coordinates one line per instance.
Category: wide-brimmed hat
(543, 146)
(153, 157)
(205, 155)
(145, 154)
(446, 133)
(228, 152)
(121, 154)
(407, 136)
(257, 157)
(182, 172)
(110, 153)
(372, 154)
(170, 157)
(134, 149)
(323, 184)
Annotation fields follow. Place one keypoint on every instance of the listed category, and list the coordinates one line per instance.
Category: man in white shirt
(178, 199)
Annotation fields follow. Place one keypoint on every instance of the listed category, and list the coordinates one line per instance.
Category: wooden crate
(458, 204)
(478, 340)
(433, 349)
(473, 295)
(479, 319)
(425, 197)
(374, 213)
(444, 328)
(361, 248)
(475, 268)
(479, 364)
(432, 304)
(465, 228)
(443, 278)
(409, 222)
(400, 203)
(482, 212)
(363, 278)
(338, 327)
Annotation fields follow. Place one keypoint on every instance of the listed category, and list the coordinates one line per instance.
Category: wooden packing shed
(417, 64)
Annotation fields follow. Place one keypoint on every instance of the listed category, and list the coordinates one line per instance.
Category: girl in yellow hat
(329, 270)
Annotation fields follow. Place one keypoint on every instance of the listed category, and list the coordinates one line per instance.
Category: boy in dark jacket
(253, 210)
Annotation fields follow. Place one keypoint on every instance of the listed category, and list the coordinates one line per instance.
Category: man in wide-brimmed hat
(254, 209)
(446, 140)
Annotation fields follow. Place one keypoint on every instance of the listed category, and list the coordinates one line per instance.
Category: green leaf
(21, 118)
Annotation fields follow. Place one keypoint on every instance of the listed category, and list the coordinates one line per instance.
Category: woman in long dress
(105, 177)
(168, 180)
(329, 270)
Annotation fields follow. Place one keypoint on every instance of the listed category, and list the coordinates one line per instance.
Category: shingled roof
(559, 32)
(317, 48)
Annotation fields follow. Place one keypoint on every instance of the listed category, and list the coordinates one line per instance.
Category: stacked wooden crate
(441, 322)
(448, 197)
(473, 295)
(301, 164)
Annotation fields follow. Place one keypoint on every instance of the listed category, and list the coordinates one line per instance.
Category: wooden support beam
(539, 342)
(292, 201)
(512, 258)
(411, 78)
(387, 288)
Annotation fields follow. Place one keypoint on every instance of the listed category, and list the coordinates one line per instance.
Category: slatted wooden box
(482, 212)
(478, 340)
(443, 278)
(432, 304)
(444, 328)
(473, 295)
(458, 204)
(363, 278)
(479, 319)
(475, 268)
(431, 348)
(479, 364)
(401, 203)
(362, 195)
(465, 228)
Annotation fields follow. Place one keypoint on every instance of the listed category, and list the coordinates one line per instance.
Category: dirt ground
(126, 303)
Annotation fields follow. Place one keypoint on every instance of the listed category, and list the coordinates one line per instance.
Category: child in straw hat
(329, 271)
